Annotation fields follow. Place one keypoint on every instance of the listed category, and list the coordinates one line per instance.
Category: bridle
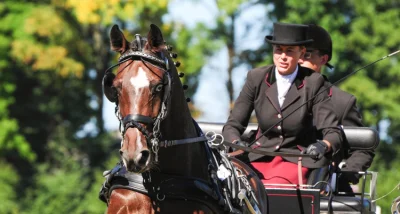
(138, 120)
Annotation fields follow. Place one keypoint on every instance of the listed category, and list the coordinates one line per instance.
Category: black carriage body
(307, 200)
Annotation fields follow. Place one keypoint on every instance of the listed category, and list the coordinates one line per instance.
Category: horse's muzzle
(139, 162)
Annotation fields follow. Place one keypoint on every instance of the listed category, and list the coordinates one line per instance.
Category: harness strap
(137, 125)
(138, 118)
(168, 143)
(262, 152)
(159, 187)
(300, 172)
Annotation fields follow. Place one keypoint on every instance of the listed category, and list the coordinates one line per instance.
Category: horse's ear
(117, 40)
(155, 37)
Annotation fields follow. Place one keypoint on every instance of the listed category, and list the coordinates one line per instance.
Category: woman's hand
(238, 142)
(318, 149)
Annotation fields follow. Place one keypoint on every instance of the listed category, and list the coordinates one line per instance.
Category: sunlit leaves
(45, 22)
(9, 180)
(229, 7)
(41, 39)
(105, 12)
(56, 190)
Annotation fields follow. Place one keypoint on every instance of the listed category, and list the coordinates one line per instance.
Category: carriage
(172, 164)
(307, 199)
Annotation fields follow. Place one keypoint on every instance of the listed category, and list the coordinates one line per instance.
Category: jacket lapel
(272, 89)
(293, 93)
(290, 97)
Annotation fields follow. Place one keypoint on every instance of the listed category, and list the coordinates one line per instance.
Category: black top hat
(322, 40)
(289, 34)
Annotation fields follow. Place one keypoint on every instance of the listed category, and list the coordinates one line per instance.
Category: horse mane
(178, 116)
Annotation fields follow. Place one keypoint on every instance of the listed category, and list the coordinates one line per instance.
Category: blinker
(109, 91)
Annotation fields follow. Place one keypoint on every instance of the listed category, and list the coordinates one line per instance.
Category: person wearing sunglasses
(318, 54)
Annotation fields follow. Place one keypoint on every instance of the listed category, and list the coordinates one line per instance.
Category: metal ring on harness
(212, 139)
(158, 197)
(396, 206)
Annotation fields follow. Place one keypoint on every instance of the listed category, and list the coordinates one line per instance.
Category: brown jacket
(296, 131)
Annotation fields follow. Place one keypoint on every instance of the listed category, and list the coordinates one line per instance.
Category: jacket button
(279, 116)
(279, 127)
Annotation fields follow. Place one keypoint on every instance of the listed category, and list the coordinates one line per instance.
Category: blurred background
(58, 133)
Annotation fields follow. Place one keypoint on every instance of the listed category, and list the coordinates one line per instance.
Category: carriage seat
(360, 138)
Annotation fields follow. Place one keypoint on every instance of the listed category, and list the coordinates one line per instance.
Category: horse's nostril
(142, 157)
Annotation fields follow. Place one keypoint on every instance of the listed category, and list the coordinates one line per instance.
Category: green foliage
(9, 179)
(388, 177)
(91, 203)
(71, 188)
(10, 138)
(58, 190)
(53, 55)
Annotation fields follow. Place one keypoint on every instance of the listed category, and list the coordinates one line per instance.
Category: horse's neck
(189, 159)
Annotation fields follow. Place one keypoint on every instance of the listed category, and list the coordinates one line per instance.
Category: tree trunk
(101, 59)
(231, 55)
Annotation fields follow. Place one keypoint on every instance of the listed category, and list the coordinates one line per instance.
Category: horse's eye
(158, 88)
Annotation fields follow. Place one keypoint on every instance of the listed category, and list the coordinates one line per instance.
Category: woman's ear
(324, 59)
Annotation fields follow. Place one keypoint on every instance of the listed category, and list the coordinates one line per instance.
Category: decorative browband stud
(181, 74)
(173, 55)
(177, 64)
(188, 99)
(185, 87)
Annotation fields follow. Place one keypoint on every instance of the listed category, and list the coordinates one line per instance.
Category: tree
(55, 53)
(9, 179)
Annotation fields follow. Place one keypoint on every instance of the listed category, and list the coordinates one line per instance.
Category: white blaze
(139, 138)
(140, 81)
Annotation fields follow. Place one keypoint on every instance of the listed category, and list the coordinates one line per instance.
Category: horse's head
(141, 91)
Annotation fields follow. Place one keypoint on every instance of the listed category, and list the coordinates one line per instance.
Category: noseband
(136, 120)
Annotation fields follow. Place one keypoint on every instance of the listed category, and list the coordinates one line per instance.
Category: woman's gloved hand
(240, 143)
(318, 149)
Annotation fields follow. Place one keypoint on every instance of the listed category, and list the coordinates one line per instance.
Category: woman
(274, 91)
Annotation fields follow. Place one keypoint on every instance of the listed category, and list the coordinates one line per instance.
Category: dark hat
(322, 40)
(289, 34)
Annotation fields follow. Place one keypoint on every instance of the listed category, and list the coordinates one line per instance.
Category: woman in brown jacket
(273, 92)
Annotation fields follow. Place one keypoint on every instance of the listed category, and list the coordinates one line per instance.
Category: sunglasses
(309, 53)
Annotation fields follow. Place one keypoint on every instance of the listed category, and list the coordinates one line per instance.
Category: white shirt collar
(286, 78)
(283, 84)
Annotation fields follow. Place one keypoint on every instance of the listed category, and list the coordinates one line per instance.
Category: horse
(167, 164)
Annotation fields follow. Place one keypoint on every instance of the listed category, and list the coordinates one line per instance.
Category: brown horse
(171, 168)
